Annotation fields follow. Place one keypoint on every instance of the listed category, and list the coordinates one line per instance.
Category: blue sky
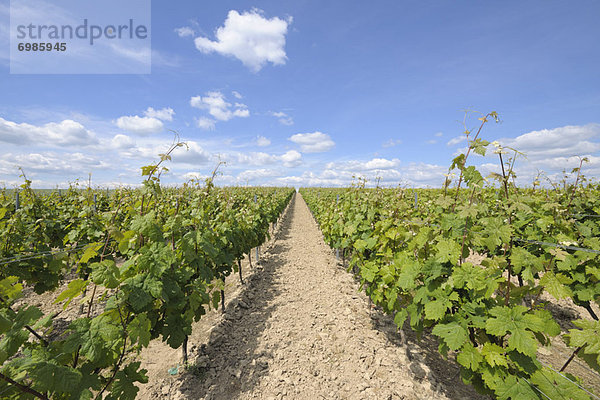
(314, 93)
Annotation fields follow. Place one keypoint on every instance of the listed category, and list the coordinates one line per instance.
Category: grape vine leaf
(452, 333)
(513, 320)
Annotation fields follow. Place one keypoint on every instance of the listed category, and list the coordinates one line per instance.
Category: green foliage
(148, 259)
(415, 263)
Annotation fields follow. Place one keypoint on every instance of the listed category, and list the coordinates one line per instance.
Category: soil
(300, 328)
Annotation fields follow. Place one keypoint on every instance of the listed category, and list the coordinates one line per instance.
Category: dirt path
(300, 329)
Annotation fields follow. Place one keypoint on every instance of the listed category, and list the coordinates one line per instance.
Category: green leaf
(5, 323)
(588, 337)
(447, 250)
(400, 318)
(139, 330)
(91, 251)
(469, 357)
(105, 273)
(494, 355)
(513, 320)
(123, 387)
(555, 284)
(515, 389)
(557, 387)
(436, 309)
(56, 378)
(138, 299)
(360, 245)
(407, 279)
(452, 333)
(10, 289)
(27, 316)
(74, 289)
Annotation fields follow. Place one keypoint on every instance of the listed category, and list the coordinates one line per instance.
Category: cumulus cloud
(289, 159)
(165, 114)
(217, 106)
(193, 154)
(262, 141)
(64, 133)
(316, 142)
(140, 125)
(151, 122)
(122, 142)
(564, 141)
(253, 174)
(249, 37)
(360, 166)
(282, 117)
(424, 174)
(552, 150)
(185, 31)
(235, 94)
(48, 162)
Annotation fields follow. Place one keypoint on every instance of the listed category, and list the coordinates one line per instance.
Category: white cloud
(165, 114)
(253, 174)
(122, 142)
(54, 163)
(262, 141)
(218, 107)
(456, 140)
(291, 159)
(392, 143)
(361, 166)
(185, 31)
(194, 175)
(193, 154)
(235, 94)
(564, 141)
(424, 174)
(206, 123)
(431, 141)
(140, 125)
(249, 37)
(552, 150)
(316, 142)
(254, 158)
(439, 134)
(64, 133)
(283, 118)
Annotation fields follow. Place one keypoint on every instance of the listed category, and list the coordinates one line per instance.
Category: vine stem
(23, 388)
(29, 328)
(124, 324)
(508, 247)
(462, 246)
(240, 271)
(460, 178)
(566, 364)
(575, 186)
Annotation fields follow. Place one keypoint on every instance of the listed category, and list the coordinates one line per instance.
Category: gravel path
(300, 329)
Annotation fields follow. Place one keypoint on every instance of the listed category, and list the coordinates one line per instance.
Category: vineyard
(143, 264)
(487, 268)
(474, 265)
